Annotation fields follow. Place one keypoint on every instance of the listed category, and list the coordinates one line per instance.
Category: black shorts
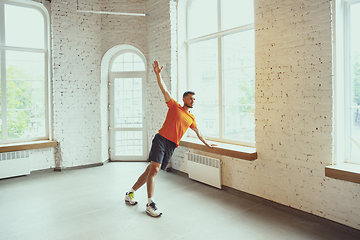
(161, 150)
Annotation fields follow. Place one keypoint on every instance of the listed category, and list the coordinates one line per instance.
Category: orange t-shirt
(176, 123)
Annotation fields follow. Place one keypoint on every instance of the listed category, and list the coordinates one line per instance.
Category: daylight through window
(221, 68)
(24, 72)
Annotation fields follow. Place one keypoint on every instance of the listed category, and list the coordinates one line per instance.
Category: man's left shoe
(152, 210)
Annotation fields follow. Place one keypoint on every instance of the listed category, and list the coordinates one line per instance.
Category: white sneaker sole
(151, 215)
(129, 203)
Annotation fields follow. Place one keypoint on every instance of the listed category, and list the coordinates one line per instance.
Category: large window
(221, 68)
(347, 82)
(24, 66)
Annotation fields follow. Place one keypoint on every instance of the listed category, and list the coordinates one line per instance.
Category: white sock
(150, 200)
(132, 190)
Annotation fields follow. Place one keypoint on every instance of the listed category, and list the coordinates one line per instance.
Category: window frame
(184, 45)
(111, 125)
(47, 68)
(123, 52)
(342, 78)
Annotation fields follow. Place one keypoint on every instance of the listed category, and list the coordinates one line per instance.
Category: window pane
(25, 65)
(239, 86)
(26, 108)
(203, 79)
(26, 123)
(355, 82)
(24, 27)
(128, 62)
(25, 94)
(128, 102)
(128, 143)
(236, 13)
(202, 17)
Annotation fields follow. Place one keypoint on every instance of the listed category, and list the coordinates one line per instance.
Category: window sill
(230, 150)
(12, 147)
(347, 171)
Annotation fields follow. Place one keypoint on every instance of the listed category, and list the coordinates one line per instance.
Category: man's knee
(154, 168)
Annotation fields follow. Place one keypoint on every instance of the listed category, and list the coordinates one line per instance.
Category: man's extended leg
(142, 179)
(151, 209)
(154, 168)
(129, 196)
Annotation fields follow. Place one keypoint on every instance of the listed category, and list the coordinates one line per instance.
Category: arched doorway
(127, 126)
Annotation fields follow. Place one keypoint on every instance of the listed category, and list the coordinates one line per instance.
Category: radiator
(14, 164)
(204, 169)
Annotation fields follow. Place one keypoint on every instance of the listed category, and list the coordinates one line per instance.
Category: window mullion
(347, 93)
(219, 14)
(220, 33)
(220, 75)
(3, 97)
(2, 24)
(3, 74)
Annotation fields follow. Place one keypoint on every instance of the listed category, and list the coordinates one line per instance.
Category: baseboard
(57, 169)
(284, 208)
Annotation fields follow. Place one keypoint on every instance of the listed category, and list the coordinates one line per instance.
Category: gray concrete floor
(89, 204)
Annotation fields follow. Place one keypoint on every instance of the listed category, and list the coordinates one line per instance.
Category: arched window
(24, 64)
(128, 61)
(219, 53)
(128, 137)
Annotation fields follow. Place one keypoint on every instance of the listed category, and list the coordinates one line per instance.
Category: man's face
(189, 100)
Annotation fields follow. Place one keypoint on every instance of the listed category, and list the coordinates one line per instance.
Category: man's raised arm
(161, 83)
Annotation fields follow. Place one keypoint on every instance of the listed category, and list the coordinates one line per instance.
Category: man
(178, 120)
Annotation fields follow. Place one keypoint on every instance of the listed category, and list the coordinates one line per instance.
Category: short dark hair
(187, 93)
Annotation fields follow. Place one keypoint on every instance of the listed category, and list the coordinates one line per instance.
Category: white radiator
(14, 164)
(204, 169)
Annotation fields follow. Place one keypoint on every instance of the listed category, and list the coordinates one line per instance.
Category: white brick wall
(79, 42)
(76, 83)
(293, 96)
(42, 159)
(116, 29)
(293, 115)
(161, 48)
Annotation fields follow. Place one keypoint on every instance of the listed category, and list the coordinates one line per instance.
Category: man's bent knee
(154, 168)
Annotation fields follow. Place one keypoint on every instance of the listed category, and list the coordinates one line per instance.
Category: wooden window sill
(12, 147)
(230, 150)
(347, 171)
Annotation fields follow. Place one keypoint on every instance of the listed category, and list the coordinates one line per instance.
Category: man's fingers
(156, 66)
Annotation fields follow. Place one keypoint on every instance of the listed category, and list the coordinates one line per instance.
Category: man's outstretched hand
(156, 67)
(211, 145)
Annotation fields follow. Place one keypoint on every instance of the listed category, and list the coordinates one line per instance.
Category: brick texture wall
(79, 42)
(161, 33)
(117, 29)
(293, 96)
(293, 115)
(76, 83)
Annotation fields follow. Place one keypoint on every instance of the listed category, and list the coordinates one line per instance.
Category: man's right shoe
(129, 198)
(152, 210)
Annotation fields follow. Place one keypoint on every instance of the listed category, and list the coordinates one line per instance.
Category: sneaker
(129, 198)
(152, 210)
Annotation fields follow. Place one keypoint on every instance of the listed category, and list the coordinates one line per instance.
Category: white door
(128, 136)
